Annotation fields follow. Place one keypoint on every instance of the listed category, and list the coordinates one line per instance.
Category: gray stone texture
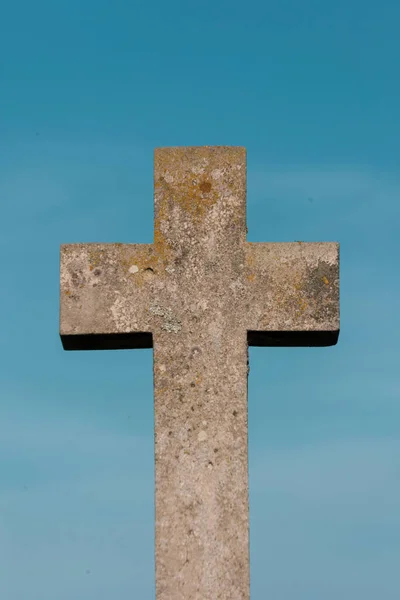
(199, 295)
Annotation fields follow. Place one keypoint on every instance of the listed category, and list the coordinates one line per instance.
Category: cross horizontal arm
(105, 295)
(293, 293)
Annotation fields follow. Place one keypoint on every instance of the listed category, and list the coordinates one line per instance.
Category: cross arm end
(105, 291)
(295, 292)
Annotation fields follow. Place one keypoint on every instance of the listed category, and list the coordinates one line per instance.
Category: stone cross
(199, 295)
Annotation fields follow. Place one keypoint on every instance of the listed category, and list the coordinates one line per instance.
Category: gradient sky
(88, 89)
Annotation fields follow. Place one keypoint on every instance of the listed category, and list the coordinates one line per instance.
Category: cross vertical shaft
(200, 380)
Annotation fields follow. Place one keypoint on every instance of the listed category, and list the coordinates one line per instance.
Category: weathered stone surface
(199, 295)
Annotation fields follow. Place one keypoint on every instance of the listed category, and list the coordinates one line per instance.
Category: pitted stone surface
(199, 295)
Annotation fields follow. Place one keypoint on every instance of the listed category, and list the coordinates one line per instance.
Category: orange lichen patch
(301, 296)
(185, 176)
(294, 298)
(161, 244)
(250, 258)
(163, 248)
(205, 187)
(95, 256)
(67, 292)
(325, 280)
(302, 305)
(194, 195)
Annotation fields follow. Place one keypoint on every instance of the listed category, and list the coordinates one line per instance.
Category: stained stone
(199, 295)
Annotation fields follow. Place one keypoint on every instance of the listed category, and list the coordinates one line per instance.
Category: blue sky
(87, 90)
